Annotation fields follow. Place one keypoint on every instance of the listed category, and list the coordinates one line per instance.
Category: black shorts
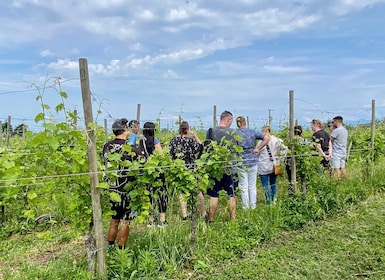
(122, 207)
(227, 183)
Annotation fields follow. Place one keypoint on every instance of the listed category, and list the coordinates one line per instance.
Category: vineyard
(46, 202)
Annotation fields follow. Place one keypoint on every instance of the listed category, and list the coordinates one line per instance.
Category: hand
(256, 150)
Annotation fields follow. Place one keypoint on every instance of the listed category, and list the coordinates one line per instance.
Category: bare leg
(113, 230)
(337, 172)
(343, 173)
(124, 231)
(162, 217)
(151, 219)
(232, 208)
(202, 208)
(183, 205)
(213, 208)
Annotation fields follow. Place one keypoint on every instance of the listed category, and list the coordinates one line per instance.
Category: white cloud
(46, 53)
(342, 7)
(283, 70)
(64, 64)
(177, 14)
(170, 74)
(147, 15)
(362, 61)
(116, 27)
(165, 58)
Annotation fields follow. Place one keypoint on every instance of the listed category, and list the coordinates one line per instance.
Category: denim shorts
(338, 162)
(227, 183)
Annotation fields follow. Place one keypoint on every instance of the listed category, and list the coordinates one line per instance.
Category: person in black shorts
(227, 182)
(118, 184)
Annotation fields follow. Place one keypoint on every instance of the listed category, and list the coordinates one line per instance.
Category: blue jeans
(270, 186)
(248, 185)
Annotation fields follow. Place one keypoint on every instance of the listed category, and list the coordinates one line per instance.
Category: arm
(158, 147)
(329, 156)
(319, 149)
(321, 152)
(194, 136)
(264, 142)
(281, 150)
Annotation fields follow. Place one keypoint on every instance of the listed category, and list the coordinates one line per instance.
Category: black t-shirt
(322, 137)
(116, 146)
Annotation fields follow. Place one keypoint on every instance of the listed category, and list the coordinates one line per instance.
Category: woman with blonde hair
(323, 143)
(268, 157)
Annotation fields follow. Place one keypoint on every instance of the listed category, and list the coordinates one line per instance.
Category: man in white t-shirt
(339, 138)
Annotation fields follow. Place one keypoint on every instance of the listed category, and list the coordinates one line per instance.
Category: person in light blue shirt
(134, 129)
(248, 174)
(339, 138)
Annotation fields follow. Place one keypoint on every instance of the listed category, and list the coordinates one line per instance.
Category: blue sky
(183, 57)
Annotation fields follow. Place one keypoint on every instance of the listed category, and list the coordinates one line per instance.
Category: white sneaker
(162, 224)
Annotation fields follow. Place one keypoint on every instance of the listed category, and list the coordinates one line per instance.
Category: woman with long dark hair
(187, 146)
(148, 144)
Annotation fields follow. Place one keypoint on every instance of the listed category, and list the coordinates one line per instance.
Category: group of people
(332, 147)
(260, 152)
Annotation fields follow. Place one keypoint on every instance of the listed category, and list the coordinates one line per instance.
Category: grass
(348, 245)
(351, 246)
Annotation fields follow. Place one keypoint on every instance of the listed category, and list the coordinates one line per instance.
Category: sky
(182, 58)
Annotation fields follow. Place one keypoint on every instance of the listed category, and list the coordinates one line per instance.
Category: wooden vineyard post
(8, 133)
(138, 113)
(92, 159)
(215, 116)
(292, 157)
(373, 128)
(105, 131)
(76, 119)
(1, 132)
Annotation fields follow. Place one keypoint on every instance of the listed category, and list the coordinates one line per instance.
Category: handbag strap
(144, 147)
(269, 152)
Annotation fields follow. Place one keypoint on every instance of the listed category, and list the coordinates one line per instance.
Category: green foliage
(47, 172)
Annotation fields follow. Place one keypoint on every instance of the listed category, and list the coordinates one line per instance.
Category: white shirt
(277, 148)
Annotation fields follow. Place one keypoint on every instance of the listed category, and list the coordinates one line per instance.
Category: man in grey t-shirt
(339, 138)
